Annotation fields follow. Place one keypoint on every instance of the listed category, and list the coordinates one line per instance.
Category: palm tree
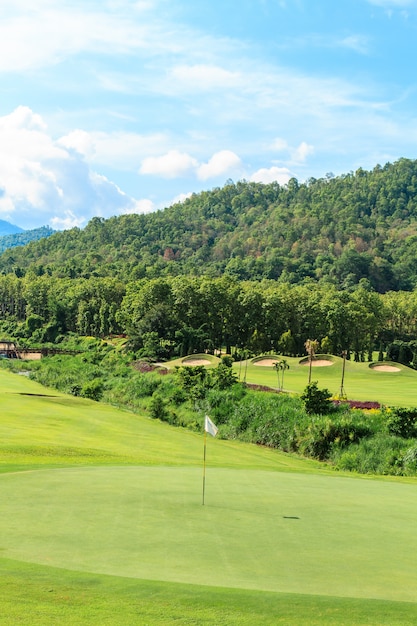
(284, 366)
(277, 366)
(311, 346)
(281, 366)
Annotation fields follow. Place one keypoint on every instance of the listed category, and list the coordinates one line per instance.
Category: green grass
(101, 522)
(361, 382)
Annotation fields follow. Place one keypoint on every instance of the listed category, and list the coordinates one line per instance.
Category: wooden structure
(9, 350)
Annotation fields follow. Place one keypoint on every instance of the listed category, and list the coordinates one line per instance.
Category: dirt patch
(266, 362)
(194, 362)
(31, 356)
(318, 363)
(386, 368)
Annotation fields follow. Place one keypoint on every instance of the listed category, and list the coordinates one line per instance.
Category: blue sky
(117, 106)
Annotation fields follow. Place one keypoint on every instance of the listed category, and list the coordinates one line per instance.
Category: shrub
(409, 461)
(316, 400)
(325, 433)
(93, 390)
(157, 408)
(402, 422)
(381, 454)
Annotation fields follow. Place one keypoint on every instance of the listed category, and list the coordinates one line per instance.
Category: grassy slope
(355, 526)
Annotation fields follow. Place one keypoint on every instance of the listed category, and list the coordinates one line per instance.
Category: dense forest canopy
(336, 230)
(22, 238)
(249, 266)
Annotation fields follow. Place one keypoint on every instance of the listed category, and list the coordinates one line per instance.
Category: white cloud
(44, 181)
(279, 145)
(170, 165)
(181, 198)
(115, 149)
(80, 141)
(295, 155)
(176, 164)
(205, 77)
(358, 43)
(264, 175)
(34, 35)
(300, 154)
(221, 163)
(66, 221)
(140, 206)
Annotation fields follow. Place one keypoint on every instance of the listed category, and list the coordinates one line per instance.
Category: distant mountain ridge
(6, 228)
(20, 237)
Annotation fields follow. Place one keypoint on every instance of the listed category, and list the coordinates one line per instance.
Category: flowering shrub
(357, 404)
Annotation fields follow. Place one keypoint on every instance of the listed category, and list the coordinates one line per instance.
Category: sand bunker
(317, 363)
(266, 362)
(196, 362)
(386, 368)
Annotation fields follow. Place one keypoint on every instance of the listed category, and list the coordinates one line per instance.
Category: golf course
(102, 519)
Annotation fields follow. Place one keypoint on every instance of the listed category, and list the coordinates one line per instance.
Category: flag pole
(211, 428)
(204, 464)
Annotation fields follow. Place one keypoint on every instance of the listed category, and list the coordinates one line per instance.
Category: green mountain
(23, 237)
(361, 225)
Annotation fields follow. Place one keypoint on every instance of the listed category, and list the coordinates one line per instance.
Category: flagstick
(204, 464)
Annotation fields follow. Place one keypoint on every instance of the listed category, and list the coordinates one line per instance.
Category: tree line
(174, 316)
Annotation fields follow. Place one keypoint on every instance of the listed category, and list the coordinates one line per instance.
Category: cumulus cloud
(296, 155)
(265, 175)
(80, 141)
(43, 180)
(181, 197)
(300, 154)
(173, 164)
(140, 206)
(221, 163)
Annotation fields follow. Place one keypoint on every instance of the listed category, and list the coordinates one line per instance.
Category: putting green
(262, 530)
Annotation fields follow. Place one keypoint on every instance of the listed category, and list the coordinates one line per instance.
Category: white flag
(209, 427)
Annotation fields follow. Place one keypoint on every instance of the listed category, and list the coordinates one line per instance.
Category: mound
(385, 368)
(266, 362)
(196, 362)
(317, 363)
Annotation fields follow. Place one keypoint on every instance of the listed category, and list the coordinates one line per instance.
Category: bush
(316, 400)
(381, 454)
(157, 408)
(402, 422)
(92, 390)
(409, 461)
(323, 434)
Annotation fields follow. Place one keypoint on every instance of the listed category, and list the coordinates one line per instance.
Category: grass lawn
(101, 522)
(361, 382)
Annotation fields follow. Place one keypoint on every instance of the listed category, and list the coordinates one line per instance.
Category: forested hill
(339, 229)
(22, 238)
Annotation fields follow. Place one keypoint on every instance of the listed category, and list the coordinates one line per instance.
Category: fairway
(258, 530)
(362, 381)
(102, 522)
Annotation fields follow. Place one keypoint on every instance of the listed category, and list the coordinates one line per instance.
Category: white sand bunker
(196, 362)
(318, 363)
(386, 368)
(266, 362)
